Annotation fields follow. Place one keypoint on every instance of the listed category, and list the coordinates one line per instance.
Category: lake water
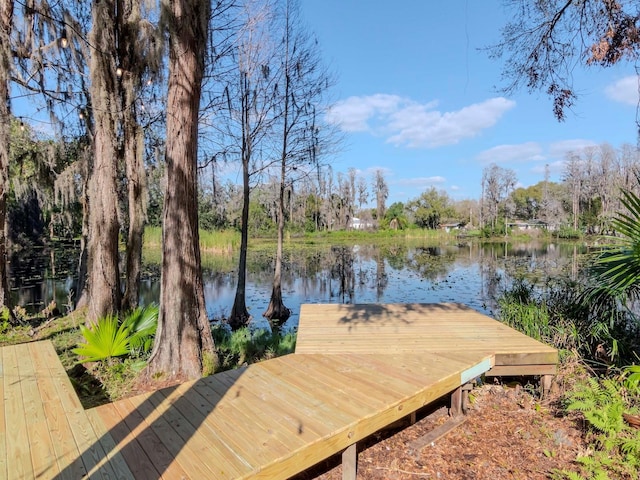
(469, 273)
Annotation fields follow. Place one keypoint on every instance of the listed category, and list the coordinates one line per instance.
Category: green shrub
(106, 339)
(245, 347)
(614, 445)
(110, 338)
(142, 324)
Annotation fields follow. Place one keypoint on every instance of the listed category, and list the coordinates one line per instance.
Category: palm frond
(106, 339)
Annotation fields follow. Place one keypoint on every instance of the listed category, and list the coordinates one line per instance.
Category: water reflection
(469, 273)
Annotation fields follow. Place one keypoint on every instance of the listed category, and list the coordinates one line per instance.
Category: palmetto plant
(111, 338)
(106, 339)
(142, 324)
(617, 270)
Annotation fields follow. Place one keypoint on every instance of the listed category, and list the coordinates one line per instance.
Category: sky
(417, 98)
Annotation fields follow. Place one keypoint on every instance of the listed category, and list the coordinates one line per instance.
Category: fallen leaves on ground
(508, 434)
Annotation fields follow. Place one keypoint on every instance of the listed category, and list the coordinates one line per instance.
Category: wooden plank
(141, 467)
(527, 358)
(87, 444)
(437, 433)
(43, 458)
(3, 423)
(525, 370)
(68, 458)
(90, 450)
(349, 398)
(291, 411)
(195, 415)
(352, 392)
(114, 456)
(18, 457)
(262, 415)
(147, 438)
(319, 410)
(186, 414)
(254, 445)
(475, 371)
(412, 327)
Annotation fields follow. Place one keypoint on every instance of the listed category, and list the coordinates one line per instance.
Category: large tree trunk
(136, 185)
(277, 309)
(81, 295)
(277, 312)
(6, 23)
(183, 341)
(103, 263)
(132, 68)
(239, 314)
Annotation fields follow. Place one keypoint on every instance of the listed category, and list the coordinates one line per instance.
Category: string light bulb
(64, 42)
(119, 72)
(22, 127)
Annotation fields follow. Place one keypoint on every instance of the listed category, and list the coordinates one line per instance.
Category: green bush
(142, 324)
(244, 346)
(614, 445)
(110, 338)
(106, 339)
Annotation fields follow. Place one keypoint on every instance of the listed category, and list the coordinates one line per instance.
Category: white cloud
(624, 90)
(405, 122)
(354, 113)
(523, 152)
(455, 188)
(420, 181)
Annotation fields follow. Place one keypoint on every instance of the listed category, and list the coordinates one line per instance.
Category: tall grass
(566, 316)
(220, 241)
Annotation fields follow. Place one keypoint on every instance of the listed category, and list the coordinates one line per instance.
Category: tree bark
(6, 24)
(239, 316)
(133, 62)
(183, 344)
(277, 309)
(103, 257)
(136, 188)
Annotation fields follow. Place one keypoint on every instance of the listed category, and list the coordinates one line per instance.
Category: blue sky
(417, 99)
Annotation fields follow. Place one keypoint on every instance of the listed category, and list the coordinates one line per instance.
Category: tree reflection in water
(471, 273)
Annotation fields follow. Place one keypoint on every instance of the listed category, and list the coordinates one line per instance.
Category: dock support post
(455, 402)
(350, 462)
(545, 385)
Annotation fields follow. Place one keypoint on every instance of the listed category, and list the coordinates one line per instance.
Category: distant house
(530, 225)
(358, 224)
(447, 227)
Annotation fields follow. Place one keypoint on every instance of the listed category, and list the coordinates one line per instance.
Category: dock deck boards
(444, 328)
(357, 369)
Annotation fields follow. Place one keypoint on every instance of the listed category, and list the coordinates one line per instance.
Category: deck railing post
(350, 462)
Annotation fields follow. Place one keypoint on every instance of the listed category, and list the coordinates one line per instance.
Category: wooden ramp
(270, 420)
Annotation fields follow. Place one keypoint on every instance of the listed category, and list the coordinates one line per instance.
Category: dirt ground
(507, 434)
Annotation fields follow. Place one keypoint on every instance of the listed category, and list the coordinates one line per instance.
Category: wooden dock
(443, 328)
(357, 369)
